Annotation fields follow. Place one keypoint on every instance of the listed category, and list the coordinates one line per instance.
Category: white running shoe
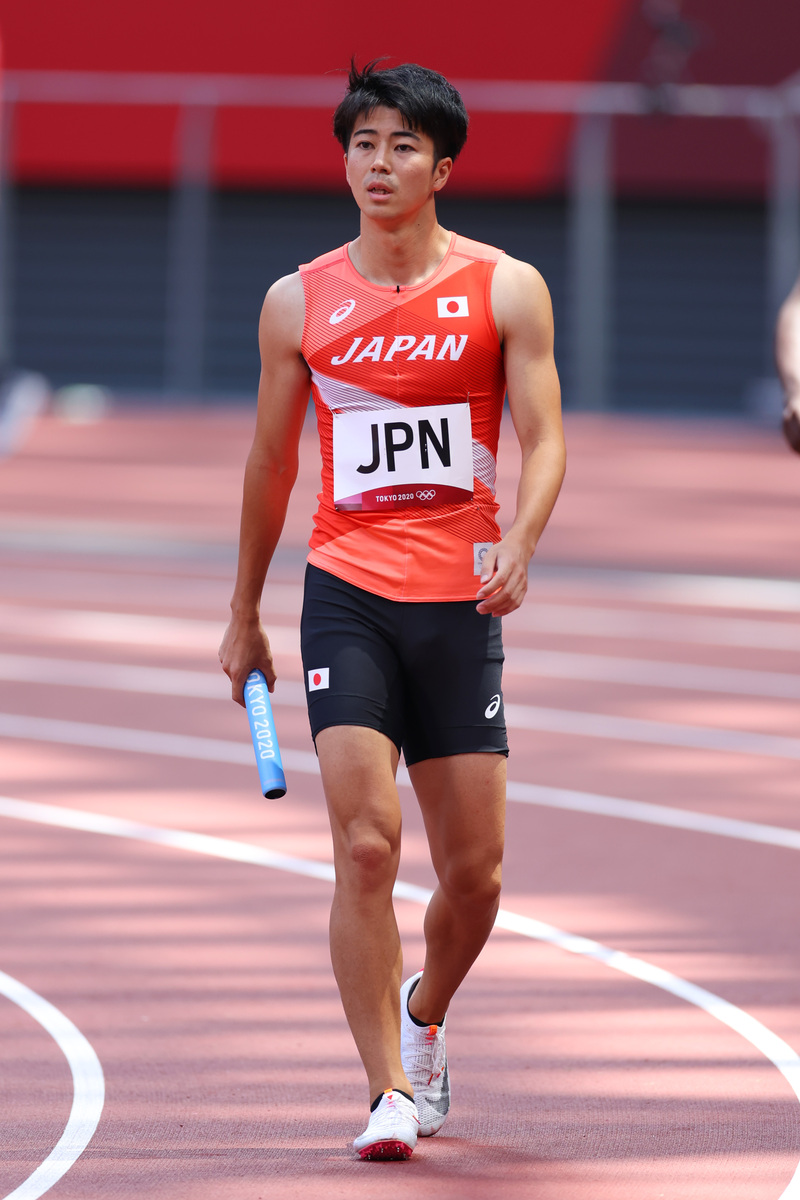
(392, 1130)
(424, 1057)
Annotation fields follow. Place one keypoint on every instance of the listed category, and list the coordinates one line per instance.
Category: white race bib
(402, 457)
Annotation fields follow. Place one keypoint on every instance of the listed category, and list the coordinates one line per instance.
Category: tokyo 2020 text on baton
(265, 739)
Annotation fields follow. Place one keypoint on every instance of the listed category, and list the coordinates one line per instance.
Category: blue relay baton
(265, 739)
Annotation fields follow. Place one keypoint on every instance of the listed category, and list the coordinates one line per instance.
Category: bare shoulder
(283, 313)
(520, 298)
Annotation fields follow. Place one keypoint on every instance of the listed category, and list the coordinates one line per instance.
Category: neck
(404, 255)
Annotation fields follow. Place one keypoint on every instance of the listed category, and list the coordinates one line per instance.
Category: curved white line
(518, 716)
(142, 741)
(774, 1049)
(88, 1088)
(653, 814)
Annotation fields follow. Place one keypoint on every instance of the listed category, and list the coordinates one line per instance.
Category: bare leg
(463, 804)
(358, 767)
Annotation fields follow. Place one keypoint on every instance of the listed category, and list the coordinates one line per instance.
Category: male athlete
(408, 338)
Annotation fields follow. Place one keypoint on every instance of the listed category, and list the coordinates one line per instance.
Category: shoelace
(428, 1058)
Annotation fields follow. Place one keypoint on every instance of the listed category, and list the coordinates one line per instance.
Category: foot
(424, 1057)
(392, 1130)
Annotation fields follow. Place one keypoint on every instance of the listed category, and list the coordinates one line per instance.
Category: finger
(239, 676)
(504, 599)
(496, 582)
(488, 564)
(506, 577)
(237, 687)
(500, 608)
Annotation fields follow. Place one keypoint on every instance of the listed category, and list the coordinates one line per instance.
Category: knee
(474, 881)
(369, 861)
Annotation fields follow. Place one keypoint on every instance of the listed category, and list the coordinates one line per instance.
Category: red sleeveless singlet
(408, 386)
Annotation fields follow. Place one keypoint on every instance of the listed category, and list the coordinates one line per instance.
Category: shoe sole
(388, 1151)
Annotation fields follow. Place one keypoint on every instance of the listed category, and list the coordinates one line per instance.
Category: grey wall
(89, 286)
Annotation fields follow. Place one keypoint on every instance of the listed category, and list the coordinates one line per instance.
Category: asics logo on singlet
(429, 347)
(342, 312)
(492, 707)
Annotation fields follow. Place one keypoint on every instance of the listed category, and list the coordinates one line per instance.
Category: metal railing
(591, 188)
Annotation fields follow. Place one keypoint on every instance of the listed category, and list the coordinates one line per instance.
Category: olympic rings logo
(428, 495)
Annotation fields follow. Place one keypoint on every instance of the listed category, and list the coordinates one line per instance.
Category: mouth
(377, 189)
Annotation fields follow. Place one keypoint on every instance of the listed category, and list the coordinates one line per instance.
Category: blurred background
(163, 162)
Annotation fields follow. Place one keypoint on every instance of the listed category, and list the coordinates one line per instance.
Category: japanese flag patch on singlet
(402, 457)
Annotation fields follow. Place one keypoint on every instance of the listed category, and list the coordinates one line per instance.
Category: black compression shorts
(428, 675)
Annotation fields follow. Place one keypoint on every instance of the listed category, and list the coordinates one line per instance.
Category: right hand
(245, 648)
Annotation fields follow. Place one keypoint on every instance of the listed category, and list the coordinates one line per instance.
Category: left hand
(504, 578)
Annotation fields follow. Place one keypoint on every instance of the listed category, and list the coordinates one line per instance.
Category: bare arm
(269, 477)
(524, 318)
(787, 356)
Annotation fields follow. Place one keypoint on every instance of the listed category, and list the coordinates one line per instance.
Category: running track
(653, 691)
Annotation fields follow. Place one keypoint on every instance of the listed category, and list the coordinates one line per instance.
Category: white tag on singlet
(402, 457)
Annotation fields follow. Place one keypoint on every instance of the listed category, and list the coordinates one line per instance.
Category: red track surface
(204, 985)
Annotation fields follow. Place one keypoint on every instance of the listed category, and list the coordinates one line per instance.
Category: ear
(441, 173)
(346, 171)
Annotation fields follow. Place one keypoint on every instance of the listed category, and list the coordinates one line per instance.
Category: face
(392, 170)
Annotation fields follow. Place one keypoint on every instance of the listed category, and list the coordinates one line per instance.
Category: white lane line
(660, 587)
(576, 620)
(518, 716)
(774, 1048)
(709, 591)
(141, 741)
(641, 672)
(110, 538)
(88, 1086)
(629, 624)
(132, 629)
(653, 814)
(146, 741)
(121, 677)
(210, 685)
(657, 733)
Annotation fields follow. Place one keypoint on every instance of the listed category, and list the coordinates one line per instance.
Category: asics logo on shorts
(492, 707)
(427, 495)
(342, 312)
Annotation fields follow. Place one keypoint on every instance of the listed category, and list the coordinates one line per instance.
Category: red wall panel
(738, 41)
(571, 40)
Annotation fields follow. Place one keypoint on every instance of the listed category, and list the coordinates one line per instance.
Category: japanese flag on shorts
(318, 679)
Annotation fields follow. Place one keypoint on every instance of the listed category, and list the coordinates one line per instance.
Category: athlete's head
(426, 101)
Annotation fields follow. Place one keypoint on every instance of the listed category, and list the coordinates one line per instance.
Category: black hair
(425, 100)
